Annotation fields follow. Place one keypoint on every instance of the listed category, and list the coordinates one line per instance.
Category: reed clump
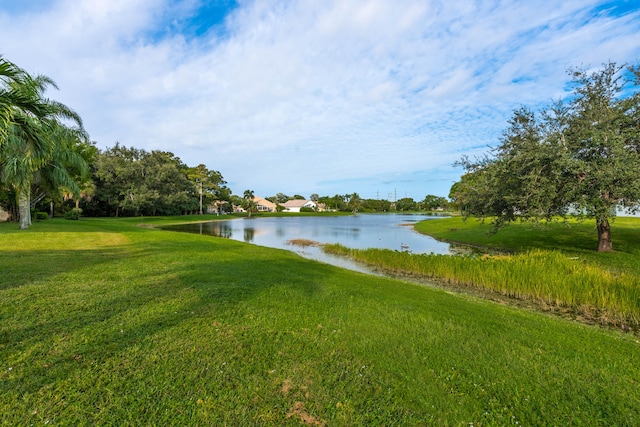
(303, 242)
(550, 278)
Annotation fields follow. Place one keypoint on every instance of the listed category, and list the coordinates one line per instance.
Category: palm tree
(249, 203)
(354, 202)
(31, 133)
(66, 171)
(10, 75)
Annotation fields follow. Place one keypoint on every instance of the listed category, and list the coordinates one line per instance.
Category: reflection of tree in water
(249, 234)
(219, 229)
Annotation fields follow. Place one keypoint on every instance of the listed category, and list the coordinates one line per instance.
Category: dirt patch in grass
(298, 410)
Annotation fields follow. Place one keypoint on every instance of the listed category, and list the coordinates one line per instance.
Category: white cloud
(292, 95)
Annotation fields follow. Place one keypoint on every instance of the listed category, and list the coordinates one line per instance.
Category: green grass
(103, 322)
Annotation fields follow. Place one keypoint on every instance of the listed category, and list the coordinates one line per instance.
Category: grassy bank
(553, 265)
(104, 322)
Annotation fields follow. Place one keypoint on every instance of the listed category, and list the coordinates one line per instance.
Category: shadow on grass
(21, 268)
(94, 313)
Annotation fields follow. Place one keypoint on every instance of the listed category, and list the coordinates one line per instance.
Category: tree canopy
(39, 138)
(131, 181)
(576, 157)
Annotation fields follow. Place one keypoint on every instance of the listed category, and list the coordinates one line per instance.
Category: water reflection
(358, 231)
(249, 234)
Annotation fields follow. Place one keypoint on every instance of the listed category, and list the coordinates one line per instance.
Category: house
(263, 205)
(296, 205)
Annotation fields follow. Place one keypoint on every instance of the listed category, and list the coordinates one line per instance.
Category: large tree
(30, 130)
(406, 204)
(210, 185)
(580, 158)
(135, 182)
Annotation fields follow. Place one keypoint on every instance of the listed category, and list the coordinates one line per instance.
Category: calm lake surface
(386, 231)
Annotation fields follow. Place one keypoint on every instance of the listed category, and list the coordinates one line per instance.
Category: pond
(385, 231)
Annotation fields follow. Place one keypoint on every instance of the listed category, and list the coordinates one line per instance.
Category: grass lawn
(105, 322)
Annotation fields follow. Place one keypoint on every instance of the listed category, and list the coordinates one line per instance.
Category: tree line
(354, 203)
(131, 182)
(48, 163)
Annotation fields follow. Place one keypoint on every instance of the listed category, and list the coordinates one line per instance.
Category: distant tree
(337, 202)
(209, 185)
(278, 198)
(298, 197)
(581, 158)
(236, 200)
(281, 198)
(406, 204)
(248, 202)
(432, 203)
(375, 205)
(314, 197)
(354, 202)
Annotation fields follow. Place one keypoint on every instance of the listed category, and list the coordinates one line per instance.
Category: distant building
(263, 205)
(296, 205)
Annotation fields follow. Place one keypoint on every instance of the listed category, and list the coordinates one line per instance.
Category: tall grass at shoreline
(548, 277)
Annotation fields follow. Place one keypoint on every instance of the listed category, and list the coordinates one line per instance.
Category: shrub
(307, 209)
(41, 216)
(73, 214)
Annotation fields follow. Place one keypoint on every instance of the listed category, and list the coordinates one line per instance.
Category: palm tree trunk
(24, 207)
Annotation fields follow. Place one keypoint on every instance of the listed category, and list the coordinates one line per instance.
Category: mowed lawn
(106, 322)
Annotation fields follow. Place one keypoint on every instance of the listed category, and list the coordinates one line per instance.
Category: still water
(387, 231)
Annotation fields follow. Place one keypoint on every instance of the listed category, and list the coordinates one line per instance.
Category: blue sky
(378, 97)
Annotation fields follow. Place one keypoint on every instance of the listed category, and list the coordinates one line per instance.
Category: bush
(41, 216)
(73, 214)
(307, 209)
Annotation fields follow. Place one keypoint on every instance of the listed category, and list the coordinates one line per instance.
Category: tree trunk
(604, 236)
(24, 207)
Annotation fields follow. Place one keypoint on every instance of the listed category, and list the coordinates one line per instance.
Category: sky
(377, 97)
